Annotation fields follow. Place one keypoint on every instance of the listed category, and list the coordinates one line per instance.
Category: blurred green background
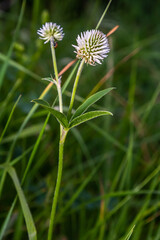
(124, 190)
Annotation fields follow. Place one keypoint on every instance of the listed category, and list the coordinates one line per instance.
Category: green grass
(110, 185)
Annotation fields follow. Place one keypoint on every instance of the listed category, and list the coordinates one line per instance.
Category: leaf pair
(79, 116)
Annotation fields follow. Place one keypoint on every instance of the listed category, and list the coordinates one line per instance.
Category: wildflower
(92, 46)
(51, 31)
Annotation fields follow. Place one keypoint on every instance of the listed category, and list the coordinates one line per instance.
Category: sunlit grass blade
(129, 234)
(6, 101)
(103, 15)
(9, 119)
(32, 233)
(35, 148)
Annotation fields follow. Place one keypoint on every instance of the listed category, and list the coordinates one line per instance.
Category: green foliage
(129, 234)
(32, 233)
(86, 117)
(111, 166)
(60, 116)
(90, 101)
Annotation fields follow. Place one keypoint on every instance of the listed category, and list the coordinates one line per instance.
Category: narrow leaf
(104, 13)
(91, 100)
(41, 102)
(87, 116)
(9, 119)
(130, 233)
(32, 233)
(58, 115)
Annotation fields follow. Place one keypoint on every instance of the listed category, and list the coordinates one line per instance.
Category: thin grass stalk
(9, 119)
(32, 233)
(103, 15)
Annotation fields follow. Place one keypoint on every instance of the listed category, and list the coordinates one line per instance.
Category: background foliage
(111, 171)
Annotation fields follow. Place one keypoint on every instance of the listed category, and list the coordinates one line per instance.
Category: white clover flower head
(51, 31)
(92, 46)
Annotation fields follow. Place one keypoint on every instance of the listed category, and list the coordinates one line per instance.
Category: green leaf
(130, 233)
(41, 102)
(9, 119)
(87, 116)
(58, 115)
(91, 100)
(31, 229)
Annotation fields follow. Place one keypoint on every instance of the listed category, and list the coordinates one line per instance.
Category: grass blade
(104, 13)
(32, 233)
(129, 234)
(9, 119)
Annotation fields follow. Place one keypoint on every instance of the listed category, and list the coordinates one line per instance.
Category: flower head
(51, 31)
(92, 46)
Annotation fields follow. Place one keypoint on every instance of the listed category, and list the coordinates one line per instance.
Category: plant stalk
(58, 85)
(75, 87)
(58, 183)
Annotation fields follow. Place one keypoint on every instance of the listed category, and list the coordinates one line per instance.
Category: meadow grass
(110, 183)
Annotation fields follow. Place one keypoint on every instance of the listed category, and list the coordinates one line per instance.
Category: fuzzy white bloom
(51, 31)
(92, 46)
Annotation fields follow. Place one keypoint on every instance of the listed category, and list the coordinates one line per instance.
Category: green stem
(54, 59)
(58, 85)
(58, 183)
(75, 87)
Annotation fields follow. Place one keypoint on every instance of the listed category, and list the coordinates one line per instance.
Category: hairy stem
(58, 183)
(75, 87)
(58, 85)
